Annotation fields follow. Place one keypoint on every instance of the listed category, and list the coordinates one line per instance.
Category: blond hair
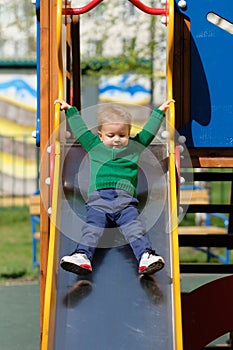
(113, 114)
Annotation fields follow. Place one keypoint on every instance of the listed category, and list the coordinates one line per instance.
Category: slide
(114, 307)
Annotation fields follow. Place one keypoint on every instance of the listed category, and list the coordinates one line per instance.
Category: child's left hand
(166, 105)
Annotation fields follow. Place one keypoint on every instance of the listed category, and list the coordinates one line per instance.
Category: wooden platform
(198, 197)
(201, 230)
(13, 201)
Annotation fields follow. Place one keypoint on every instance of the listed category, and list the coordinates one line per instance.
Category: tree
(17, 30)
(119, 37)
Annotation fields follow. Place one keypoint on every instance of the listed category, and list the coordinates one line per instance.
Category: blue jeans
(113, 206)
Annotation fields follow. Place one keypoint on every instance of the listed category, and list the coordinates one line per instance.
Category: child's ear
(100, 134)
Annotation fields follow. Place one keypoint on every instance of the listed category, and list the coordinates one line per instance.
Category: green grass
(219, 193)
(15, 247)
(191, 255)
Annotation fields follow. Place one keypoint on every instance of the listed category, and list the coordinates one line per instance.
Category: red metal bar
(148, 9)
(94, 3)
(80, 10)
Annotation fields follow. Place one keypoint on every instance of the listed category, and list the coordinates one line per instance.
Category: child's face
(114, 135)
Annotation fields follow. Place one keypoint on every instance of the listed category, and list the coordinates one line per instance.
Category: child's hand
(63, 105)
(166, 105)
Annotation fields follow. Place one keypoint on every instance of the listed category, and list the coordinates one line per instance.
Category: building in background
(18, 154)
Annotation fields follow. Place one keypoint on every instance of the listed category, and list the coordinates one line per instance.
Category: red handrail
(94, 3)
(81, 10)
(148, 9)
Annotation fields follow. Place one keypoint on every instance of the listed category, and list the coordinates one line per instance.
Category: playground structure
(191, 79)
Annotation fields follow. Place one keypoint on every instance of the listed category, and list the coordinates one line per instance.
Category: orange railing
(47, 341)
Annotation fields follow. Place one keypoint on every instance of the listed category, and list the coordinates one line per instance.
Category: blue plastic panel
(211, 123)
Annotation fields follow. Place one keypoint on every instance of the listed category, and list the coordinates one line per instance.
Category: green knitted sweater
(111, 167)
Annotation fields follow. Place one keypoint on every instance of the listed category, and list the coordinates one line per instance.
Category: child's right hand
(63, 105)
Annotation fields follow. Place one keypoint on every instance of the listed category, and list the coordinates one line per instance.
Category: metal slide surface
(114, 308)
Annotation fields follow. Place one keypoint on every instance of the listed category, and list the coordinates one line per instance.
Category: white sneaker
(150, 263)
(77, 263)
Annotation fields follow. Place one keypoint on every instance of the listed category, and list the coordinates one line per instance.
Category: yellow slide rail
(173, 187)
(47, 342)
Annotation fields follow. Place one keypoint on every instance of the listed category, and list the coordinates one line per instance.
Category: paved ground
(20, 317)
(20, 309)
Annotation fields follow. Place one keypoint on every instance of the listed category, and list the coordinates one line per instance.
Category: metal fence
(19, 174)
